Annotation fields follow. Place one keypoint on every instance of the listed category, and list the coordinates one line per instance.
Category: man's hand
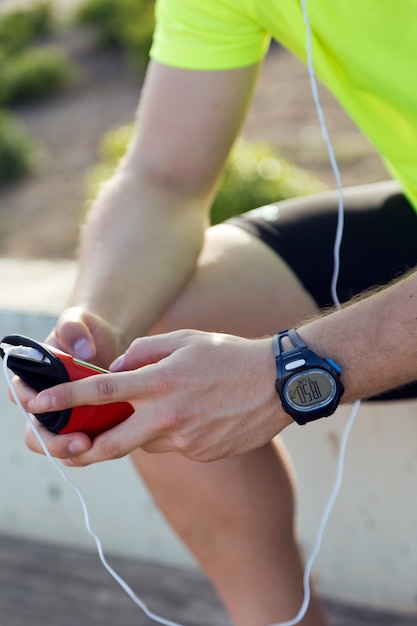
(204, 395)
(89, 338)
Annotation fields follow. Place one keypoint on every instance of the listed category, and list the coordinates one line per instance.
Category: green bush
(34, 74)
(128, 23)
(28, 71)
(19, 154)
(20, 27)
(138, 33)
(254, 175)
(106, 17)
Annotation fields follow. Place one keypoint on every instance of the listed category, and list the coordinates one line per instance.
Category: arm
(373, 339)
(210, 396)
(145, 231)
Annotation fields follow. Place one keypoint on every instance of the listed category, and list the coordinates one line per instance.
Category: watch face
(310, 390)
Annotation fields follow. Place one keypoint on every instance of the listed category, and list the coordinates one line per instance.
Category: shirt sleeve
(207, 35)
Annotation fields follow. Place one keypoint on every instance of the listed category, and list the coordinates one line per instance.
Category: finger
(121, 441)
(22, 390)
(97, 390)
(73, 334)
(59, 446)
(148, 350)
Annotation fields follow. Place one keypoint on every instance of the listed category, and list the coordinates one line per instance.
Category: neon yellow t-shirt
(364, 51)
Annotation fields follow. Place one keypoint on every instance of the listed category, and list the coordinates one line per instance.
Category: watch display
(311, 389)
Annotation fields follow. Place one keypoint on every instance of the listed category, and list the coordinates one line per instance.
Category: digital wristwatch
(309, 386)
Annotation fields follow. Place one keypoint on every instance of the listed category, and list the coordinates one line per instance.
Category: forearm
(133, 261)
(374, 340)
(145, 232)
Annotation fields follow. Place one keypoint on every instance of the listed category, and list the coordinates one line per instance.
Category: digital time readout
(304, 391)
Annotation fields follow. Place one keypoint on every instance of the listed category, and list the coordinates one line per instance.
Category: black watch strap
(291, 333)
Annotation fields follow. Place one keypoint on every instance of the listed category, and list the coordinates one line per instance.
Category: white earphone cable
(330, 151)
(123, 584)
(336, 256)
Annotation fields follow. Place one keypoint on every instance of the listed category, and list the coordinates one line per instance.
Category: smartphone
(42, 366)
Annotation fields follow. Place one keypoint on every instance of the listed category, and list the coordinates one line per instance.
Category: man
(149, 265)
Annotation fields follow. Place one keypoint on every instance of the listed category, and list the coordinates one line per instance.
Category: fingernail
(67, 462)
(45, 402)
(117, 363)
(77, 446)
(83, 349)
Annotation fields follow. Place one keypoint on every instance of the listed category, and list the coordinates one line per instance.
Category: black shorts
(379, 242)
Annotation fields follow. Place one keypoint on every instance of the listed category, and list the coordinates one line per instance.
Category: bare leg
(236, 515)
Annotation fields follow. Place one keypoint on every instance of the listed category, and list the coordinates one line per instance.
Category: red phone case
(52, 368)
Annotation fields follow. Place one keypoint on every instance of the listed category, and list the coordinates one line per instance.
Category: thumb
(72, 335)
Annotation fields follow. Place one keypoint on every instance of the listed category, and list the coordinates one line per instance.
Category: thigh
(378, 243)
(240, 286)
(272, 267)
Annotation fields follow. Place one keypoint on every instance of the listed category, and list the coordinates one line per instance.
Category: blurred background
(70, 78)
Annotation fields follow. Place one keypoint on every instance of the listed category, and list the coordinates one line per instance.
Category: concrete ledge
(36, 504)
(369, 552)
(35, 286)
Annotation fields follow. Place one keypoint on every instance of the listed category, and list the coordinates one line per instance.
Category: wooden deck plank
(51, 585)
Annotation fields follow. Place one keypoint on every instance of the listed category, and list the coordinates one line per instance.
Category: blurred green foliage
(254, 175)
(22, 26)
(34, 74)
(28, 71)
(19, 154)
(128, 23)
